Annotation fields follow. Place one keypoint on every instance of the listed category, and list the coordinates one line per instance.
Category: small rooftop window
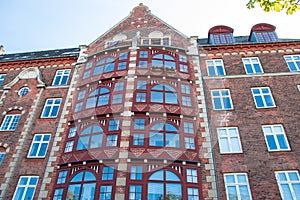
(263, 33)
(220, 35)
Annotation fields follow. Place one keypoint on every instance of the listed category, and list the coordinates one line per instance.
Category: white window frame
(51, 107)
(215, 63)
(65, 73)
(229, 138)
(40, 144)
(221, 97)
(288, 182)
(298, 86)
(275, 134)
(26, 186)
(192, 175)
(252, 61)
(262, 97)
(291, 58)
(236, 184)
(10, 123)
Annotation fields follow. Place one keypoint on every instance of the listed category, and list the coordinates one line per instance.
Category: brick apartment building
(145, 112)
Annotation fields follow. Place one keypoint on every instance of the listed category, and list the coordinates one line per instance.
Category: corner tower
(137, 123)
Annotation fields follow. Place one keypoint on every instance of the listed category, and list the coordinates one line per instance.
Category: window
(222, 38)
(186, 101)
(117, 98)
(185, 89)
(298, 86)
(22, 92)
(221, 99)
(289, 184)
(191, 175)
(2, 77)
(83, 185)
(39, 146)
(183, 68)
(139, 124)
(90, 138)
(252, 66)
(105, 192)
(293, 62)
(62, 177)
(265, 36)
(72, 132)
(163, 184)
(275, 138)
(156, 41)
(136, 173)
(163, 61)
(138, 139)
(69, 146)
(229, 140)
(140, 97)
(215, 67)
(163, 94)
(164, 134)
(81, 95)
(135, 192)
(10, 122)
(2, 154)
(61, 77)
(237, 186)
(141, 85)
(26, 188)
(189, 143)
(58, 194)
(51, 108)
(112, 140)
(107, 173)
(99, 97)
(119, 86)
(193, 193)
(188, 127)
(113, 125)
(263, 97)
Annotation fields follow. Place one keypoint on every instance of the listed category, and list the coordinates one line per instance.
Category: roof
(240, 40)
(57, 53)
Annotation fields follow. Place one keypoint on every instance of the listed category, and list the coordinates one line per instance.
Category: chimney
(2, 50)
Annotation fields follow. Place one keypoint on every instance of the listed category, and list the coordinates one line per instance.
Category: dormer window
(221, 35)
(263, 33)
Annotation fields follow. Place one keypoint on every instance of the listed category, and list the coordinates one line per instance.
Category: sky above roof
(35, 25)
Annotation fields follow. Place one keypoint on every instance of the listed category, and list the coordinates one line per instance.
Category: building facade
(145, 112)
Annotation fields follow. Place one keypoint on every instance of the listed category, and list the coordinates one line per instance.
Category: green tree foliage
(289, 6)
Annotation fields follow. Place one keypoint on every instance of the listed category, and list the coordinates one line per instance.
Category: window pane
(155, 191)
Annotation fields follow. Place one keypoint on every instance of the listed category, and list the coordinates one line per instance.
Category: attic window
(263, 33)
(221, 35)
(156, 41)
(222, 38)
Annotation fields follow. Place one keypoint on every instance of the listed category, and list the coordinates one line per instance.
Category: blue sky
(33, 25)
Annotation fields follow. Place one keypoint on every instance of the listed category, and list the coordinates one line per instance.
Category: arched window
(163, 93)
(98, 97)
(164, 185)
(90, 138)
(164, 134)
(82, 186)
(164, 61)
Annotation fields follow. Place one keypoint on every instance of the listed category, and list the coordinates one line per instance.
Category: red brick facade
(138, 116)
